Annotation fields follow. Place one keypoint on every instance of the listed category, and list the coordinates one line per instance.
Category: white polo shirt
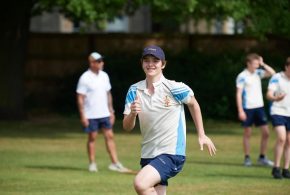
(250, 83)
(162, 119)
(95, 87)
(280, 83)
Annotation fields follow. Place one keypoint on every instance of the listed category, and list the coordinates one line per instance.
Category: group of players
(158, 103)
(249, 98)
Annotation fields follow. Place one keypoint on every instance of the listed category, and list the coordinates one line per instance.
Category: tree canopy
(259, 17)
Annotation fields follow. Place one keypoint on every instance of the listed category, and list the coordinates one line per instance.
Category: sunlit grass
(48, 156)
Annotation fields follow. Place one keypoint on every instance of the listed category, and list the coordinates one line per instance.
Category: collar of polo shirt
(143, 85)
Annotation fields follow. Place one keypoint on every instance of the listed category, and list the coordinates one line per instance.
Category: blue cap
(155, 51)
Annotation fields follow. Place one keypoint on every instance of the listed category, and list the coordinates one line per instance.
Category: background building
(140, 22)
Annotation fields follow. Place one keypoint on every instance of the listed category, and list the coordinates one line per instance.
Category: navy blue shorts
(255, 116)
(279, 120)
(97, 124)
(167, 165)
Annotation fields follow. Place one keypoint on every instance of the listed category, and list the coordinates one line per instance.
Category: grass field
(48, 156)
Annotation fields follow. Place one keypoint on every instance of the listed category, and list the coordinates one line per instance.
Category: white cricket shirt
(162, 119)
(250, 83)
(95, 87)
(280, 83)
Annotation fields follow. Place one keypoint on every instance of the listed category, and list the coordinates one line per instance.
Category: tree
(260, 17)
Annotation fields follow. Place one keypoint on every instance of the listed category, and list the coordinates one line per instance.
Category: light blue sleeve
(130, 97)
(240, 81)
(181, 92)
(261, 73)
(273, 83)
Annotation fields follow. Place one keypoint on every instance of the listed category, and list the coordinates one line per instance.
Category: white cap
(96, 56)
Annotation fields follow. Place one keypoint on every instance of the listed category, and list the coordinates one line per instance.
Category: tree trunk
(15, 15)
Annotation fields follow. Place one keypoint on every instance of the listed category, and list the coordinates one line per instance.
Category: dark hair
(163, 61)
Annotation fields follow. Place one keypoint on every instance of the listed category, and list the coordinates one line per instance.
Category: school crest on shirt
(167, 101)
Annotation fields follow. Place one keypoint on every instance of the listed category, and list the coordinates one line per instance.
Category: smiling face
(152, 66)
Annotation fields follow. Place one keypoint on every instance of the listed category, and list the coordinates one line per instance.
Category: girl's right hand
(136, 106)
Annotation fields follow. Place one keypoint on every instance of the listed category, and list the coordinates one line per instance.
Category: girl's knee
(139, 185)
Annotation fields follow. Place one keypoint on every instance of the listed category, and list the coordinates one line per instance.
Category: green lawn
(48, 156)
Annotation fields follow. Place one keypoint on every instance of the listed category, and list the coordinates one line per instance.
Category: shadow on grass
(239, 176)
(67, 168)
(62, 127)
(224, 164)
(222, 131)
(50, 128)
(215, 163)
(233, 165)
(55, 168)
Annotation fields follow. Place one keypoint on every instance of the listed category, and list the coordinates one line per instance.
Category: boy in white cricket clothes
(279, 94)
(158, 103)
(94, 100)
(250, 105)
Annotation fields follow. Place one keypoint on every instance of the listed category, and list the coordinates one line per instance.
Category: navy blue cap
(155, 51)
